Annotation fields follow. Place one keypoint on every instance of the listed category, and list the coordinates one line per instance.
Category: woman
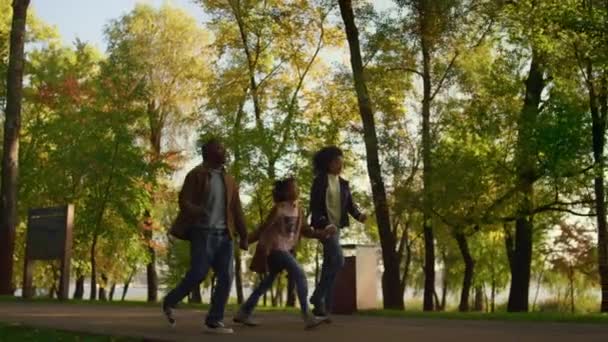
(330, 204)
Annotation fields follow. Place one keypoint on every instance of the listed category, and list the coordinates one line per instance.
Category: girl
(277, 236)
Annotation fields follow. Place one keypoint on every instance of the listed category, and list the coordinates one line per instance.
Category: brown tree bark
(112, 290)
(93, 285)
(125, 288)
(599, 109)
(478, 304)
(10, 158)
(391, 289)
(469, 265)
(429, 238)
(602, 235)
(79, 290)
(526, 176)
(151, 275)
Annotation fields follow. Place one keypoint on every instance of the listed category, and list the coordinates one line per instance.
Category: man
(330, 205)
(210, 217)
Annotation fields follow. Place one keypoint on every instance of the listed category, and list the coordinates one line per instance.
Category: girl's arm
(307, 231)
(269, 221)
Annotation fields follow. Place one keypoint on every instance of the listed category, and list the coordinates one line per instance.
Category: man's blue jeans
(208, 249)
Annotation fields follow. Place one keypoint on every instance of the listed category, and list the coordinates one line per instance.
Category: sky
(85, 19)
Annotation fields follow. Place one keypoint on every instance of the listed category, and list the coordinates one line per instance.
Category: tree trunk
(238, 273)
(599, 112)
(151, 275)
(126, 286)
(102, 288)
(195, 295)
(280, 291)
(79, 290)
(102, 210)
(391, 289)
(493, 300)
(444, 292)
(93, 289)
(571, 283)
(485, 298)
(478, 305)
(469, 265)
(603, 228)
(10, 158)
(429, 239)
(112, 290)
(538, 283)
(526, 176)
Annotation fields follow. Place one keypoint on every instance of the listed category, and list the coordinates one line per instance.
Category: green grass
(595, 318)
(16, 332)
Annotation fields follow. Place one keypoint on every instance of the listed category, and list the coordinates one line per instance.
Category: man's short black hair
(205, 146)
(279, 192)
(324, 157)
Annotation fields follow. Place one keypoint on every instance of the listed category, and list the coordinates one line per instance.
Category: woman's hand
(329, 231)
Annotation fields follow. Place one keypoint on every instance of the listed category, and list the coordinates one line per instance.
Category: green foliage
(17, 332)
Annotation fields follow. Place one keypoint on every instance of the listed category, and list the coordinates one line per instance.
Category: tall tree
(588, 43)
(159, 54)
(10, 159)
(393, 297)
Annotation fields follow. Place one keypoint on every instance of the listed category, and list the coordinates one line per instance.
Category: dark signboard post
(49, 237)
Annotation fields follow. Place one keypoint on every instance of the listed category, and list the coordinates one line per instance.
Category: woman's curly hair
(324, 157)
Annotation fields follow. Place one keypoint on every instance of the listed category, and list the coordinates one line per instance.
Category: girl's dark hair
(324, 157)
(279, 192)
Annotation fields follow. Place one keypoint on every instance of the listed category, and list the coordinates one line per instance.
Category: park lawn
(16, 332)
(557, 317)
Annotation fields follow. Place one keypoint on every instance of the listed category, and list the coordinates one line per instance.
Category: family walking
(211, 219)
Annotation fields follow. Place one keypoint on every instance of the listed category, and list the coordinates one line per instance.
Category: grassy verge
(15, 332)
(498, 316)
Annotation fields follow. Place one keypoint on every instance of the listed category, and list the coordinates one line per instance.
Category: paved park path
(146, 322)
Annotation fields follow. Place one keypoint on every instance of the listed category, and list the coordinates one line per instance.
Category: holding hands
(329, 231)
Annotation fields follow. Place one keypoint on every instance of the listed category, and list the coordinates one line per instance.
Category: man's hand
(362, 218)
(244, 244)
